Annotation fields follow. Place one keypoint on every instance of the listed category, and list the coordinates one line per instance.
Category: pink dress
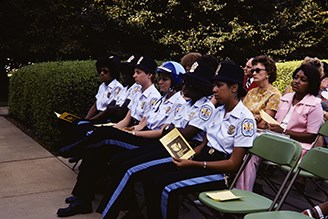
(306, 117)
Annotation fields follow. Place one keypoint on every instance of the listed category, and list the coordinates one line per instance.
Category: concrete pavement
(33, 182)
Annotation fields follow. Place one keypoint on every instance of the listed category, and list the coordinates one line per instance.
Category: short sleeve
(273, 102)
(315, 119)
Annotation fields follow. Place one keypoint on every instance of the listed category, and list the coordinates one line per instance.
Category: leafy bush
(36, 91)
(285, 71)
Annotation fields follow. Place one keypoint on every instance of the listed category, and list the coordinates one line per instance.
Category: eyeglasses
(246, 66)
(257, 70)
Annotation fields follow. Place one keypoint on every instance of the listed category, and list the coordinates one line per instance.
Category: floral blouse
(262, 99)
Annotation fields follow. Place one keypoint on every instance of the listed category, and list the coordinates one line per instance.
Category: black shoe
(71, 199)
(74, 159)
(75, 208)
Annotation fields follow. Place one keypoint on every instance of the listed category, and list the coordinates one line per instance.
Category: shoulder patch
(136, 89)
(247, 128)
(205, 112)
(177, 109)
(117, 90)
(153, 101)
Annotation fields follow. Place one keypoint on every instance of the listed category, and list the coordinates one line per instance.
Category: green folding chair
(323, 131)
(313, 162)
(276, 149)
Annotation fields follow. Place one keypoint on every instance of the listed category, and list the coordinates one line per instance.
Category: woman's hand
(257, 118)
(182, 162)
(275, 128)
(198, 149)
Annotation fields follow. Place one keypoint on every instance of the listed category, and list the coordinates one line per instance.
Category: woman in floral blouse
(265, 97)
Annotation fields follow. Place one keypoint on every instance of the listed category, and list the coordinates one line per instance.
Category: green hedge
(285, 71)
(36, 91)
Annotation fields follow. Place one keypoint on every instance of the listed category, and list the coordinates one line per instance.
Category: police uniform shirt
(236, 128)
(161, 110)
(127, 93)
(104, 92)
(114, 96)
(142, 101)
(195, 115)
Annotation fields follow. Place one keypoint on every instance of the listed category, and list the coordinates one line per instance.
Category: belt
(193, 144)
(215, 153)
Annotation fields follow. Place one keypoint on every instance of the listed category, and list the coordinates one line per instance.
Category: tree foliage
(71, 29)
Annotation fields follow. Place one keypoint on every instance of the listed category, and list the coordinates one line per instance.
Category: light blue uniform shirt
(142, 101)
(104, 94)
(195, 115)
(127, 93)
(160, 111)
(236, 128)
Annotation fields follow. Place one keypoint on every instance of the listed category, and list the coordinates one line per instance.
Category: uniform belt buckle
(211, 151)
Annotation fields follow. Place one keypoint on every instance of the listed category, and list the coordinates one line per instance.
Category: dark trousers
(154, 168)
(127, 168)
(101, 161)
(165, 183)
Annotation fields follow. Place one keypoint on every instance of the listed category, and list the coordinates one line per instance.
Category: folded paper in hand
(104, 124)
(266, 117)
(221, 196)
(324, 94)
(67, 116)
(176, 145)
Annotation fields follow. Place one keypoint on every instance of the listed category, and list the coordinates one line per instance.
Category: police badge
(231, 130)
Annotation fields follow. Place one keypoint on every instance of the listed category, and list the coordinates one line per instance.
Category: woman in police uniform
(230, 131)
(94, 161)
(189, 118)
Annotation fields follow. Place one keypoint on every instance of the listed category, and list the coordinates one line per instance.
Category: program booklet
(176, 145)
(67, 117)
(266, 117)
(224, 195)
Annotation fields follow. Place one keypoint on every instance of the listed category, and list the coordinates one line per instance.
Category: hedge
(36, 91)
(39, 90)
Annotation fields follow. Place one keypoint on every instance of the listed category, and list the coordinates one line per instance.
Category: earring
(267, 76)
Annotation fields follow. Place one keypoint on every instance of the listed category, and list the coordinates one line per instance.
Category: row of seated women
(211, 115)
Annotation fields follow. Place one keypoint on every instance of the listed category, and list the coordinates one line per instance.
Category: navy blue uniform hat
(200, 73)
(113, 63)
(228, 71)
(129, 64)
(146, 64)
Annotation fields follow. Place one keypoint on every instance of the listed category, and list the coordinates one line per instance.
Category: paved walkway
(33, 183)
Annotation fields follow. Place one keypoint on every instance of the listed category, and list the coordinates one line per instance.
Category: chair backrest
(324, 129)
(314, 161)
(277, 149)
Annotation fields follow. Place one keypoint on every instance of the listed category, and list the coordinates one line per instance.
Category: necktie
(248, 82)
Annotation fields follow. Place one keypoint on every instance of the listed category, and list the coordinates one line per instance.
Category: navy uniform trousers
(163, 182)
(109, 136)
(96, 158)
